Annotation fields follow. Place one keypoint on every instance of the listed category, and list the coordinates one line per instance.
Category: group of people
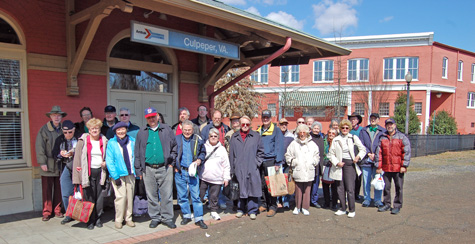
(201, 156)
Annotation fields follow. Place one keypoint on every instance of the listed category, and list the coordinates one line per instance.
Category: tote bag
(79, 210)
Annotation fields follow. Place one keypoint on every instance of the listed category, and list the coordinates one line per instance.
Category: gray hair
(302, 128)
(317, 123)
(184, 109)
(125, 109)
(213, 131)
(187, 122)
(334, 121)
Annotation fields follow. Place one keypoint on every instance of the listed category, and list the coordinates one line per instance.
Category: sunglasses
(245, 124)
(215, 136)
(345, 128)
(67, 132)
(124, 115)
(301, 122)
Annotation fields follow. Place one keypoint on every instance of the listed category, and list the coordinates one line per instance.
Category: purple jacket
(371, 145)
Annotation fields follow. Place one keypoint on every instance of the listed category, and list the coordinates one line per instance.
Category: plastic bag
(378, 182)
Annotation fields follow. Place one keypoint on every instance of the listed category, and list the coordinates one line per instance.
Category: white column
(370, 104)
(349, 102)
(427, 113)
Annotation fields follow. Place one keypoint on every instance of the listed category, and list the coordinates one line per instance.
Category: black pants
(213, 193)
(346, 187)
(398, 179)
(94, 194)
(268, 201)
(326, 193)
(357, 185)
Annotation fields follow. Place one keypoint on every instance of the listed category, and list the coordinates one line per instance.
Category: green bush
(400, 115)
(442, 124)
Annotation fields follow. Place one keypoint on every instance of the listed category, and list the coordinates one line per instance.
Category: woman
(326, 162)
(344, 168)
(335, 124)
(317, 137)
(120, 163)
(89, 169)
(214, 172)
(303, 156)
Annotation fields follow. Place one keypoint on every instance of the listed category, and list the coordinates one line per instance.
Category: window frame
(358, 70)
(360, 111)
(290, 72)
(272, 107)
(324, 71)
(381, 107)
(259, 73)
(473, 73)
(415, 107)
(445, 66)
(394, 61)
(460, 71)
(470, 99)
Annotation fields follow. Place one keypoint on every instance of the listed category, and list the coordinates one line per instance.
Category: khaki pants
(124, 198)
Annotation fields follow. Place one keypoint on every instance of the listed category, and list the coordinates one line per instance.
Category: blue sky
(453, 22)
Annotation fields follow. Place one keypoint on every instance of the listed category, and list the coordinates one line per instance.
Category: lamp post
(408, 80)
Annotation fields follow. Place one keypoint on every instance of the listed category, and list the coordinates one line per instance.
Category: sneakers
(339, 212)
(351, 214)
(379, 204)
(201, 224)
(365, 204)
(185, 221)
(252, 216)
(118, 225)
(154, 224)
(384, 208)
(222, 206)
(239, 214)
(395, 210)
(262, 209)
(305, 212)
(215, 216)
(296, 211)
(130, 223)
(271, 213)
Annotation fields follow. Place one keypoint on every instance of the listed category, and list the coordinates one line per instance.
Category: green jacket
(44, 147)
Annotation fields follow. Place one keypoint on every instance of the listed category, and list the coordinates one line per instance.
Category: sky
(452, 21)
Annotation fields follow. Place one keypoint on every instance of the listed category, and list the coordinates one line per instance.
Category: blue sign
(154, 35)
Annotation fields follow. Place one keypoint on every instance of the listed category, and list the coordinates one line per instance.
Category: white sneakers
(305, 212)
(351, 214)
(252, 216)
(239, 214)
(339, 213)
(215, 216)
(296, 211)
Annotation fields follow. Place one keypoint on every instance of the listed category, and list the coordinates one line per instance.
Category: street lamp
(408, 80)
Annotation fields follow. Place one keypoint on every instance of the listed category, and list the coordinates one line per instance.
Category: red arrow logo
(148, 34)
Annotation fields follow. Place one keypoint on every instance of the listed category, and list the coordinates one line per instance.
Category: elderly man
(288, 138)
(318, 138)
(309, 121)
(183, 114)
(202, 118)
(283, 125)
(50, 184)
(356, 120)
(218, 124)
(86, 115)
(190, 154)
(273, 141)
(393, 157)
(155, 151)
(124, 115)
(246, 153)
(110, 119)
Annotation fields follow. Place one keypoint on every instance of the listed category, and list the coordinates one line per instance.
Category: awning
(313, 99)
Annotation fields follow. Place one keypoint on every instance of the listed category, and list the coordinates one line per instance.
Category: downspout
(279, 52)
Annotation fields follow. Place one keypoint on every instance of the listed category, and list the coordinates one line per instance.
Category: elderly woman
(89, 168)
(332, 133)
(344, 168)
(215, 171)
(120, 163)
(335, 124)
(317, 137)
(303, 156)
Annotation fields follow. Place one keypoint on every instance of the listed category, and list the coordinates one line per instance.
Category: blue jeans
(222, 198)
(315, 185)
(67, 187)
(183, 181)
(368, 175)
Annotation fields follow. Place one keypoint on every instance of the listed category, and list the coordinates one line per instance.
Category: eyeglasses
(345, 128)
(245, 124)
(86, 115)
(124, 115)
(67, 132)
(301, 122)
(215, 136)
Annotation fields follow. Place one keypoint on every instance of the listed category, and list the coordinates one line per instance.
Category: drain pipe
(279, 52)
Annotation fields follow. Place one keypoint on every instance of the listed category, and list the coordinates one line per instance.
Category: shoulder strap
(207, 157)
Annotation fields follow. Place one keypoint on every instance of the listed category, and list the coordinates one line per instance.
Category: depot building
(134, 54)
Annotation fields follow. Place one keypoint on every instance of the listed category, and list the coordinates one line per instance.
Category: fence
(423, 145)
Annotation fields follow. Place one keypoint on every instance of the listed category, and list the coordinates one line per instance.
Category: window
(271, 107)
(323, 71)
(290, 73)
(397, 68)
(358, 70)
(384, 109)
(395, 106)
(460, 71)
(418, 108)
(473, 73)
(359, 108)
(445, 63)
(289, 112)
(261, 75)
(314, 112)
(471, 100)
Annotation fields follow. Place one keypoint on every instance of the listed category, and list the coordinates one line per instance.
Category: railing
(423, 145)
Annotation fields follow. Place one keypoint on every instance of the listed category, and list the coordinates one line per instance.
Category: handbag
(79, 210)
(378, 182)
(326, 175)
(290, 183)
(277, 184)
(140, 206)
(231, 191)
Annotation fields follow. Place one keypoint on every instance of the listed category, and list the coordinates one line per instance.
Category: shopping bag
(231, 191)
(378, 182)
(140, 206)
(290, 183)
(79, 210)
(326, 175)
(277, 185)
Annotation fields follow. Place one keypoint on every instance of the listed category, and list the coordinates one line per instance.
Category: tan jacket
(44, 146)
(336, 155)
(80, 164)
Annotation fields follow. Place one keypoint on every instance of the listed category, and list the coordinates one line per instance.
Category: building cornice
(381, 41)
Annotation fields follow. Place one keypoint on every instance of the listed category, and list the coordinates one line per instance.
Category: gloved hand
(118, 182)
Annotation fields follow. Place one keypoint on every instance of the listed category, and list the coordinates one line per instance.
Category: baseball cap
(283, 121)
(391, 120)
(266, 113)
(149, 112)
(68, 125)
(109, 109)
(374, 115)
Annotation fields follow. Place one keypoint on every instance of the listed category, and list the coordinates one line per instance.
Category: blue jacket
(273, 140)
(207, 128)
(115, 160)
(371, 145)
(198, 151)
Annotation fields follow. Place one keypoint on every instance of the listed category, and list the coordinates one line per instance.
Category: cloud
(335, 17)
(286, 19)
(234, 2)
(253, 10)
(386, 19)
(274, 2)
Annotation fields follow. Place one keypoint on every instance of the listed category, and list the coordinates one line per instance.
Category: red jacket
(393, 152)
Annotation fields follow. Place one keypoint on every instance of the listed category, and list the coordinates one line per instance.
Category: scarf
(243, 134)
(89, 149)
(123, 143)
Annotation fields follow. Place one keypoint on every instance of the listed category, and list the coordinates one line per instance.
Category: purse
(326, 175)
(277, 184)
(79, 210)
(231, 191)
(290, 183)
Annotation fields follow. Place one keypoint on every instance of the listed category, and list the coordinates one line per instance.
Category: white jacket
(216, 169)
(335, 154)
(303, 157)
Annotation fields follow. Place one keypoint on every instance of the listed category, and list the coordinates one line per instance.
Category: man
(318, 138)
(299, 121)
(183, 114)
(273, 141)
(63, 153)
(190, 153)
(50, 185)
(202, 117)
(309, 121)
(155, 151)
(218, 124)
(245, 157)
(288, 138)
(235, 126)
(393, 157)
(124, 115)
(370, 136)
(356, 120)
(86, 115)
(110, 119)
(283, 123)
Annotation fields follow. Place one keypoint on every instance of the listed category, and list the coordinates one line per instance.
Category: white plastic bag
(192, 169)
(378, 182)
(77, 195)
